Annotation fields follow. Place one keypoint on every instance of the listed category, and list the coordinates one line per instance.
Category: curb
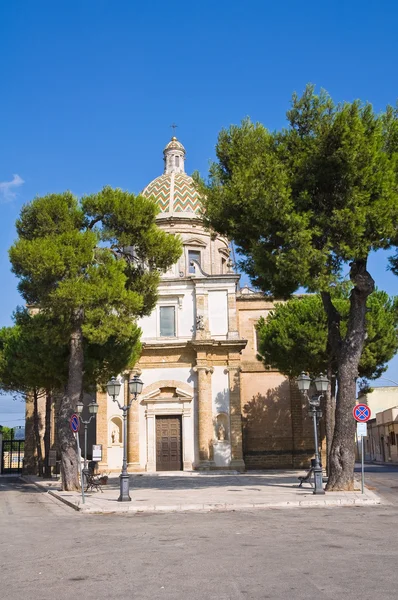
(220, 507)
(64, 500)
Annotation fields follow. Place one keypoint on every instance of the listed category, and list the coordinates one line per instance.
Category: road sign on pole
(361, 413)
(362, 429)
(74, 423)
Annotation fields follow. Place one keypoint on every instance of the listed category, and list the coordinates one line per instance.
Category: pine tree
(302, 205)
(93, 266)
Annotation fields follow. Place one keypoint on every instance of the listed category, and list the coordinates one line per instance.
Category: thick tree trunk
(66, 439)
(348, 354)
(47, 434)
(329, 417)
(36, 430)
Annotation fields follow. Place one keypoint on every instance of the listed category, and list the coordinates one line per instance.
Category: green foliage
(28, 357)
(7, 432)
(102, 256)
(294, 336)
(303, 202)
(32, 355)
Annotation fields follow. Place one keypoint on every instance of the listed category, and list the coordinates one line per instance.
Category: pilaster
(232, 317)
(233, 368)
(102, 426)
(151, 440)
(204, 419)
(133, 427)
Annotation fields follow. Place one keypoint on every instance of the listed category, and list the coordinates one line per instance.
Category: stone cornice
(235, 344)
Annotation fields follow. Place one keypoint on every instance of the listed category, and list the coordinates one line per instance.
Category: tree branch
(94, 222)
(334, 318)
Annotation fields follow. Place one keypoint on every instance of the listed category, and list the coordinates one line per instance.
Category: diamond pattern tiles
(174, 192)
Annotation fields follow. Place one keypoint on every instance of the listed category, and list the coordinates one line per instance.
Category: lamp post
(321, 384)
(92, 409)
(135, 388)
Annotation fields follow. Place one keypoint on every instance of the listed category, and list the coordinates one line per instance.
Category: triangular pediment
(166, 393)
(195, 242)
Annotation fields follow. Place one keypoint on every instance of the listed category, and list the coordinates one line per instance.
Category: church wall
(276, 428)
(218, 312)
(267, 423)
(114, 437)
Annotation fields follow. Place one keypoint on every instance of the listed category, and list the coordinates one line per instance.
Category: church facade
(207, 402)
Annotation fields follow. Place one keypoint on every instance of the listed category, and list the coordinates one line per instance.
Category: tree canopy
(293, 338)
(303, 205)
(93, 266)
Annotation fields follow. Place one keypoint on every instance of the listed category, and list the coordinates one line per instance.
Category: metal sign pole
(80, 467)
(363, 466)
(362, 414)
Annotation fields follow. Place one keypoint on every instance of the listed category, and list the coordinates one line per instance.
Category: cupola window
(193, 255)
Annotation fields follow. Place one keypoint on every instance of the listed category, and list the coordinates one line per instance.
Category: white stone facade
(186, 367)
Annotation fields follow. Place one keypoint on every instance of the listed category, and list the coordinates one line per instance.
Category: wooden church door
(168, 443)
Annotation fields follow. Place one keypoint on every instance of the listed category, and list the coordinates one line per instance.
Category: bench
(306, 478)
(92, 482)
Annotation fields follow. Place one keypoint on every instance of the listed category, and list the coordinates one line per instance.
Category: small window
(167, 321)
(392, 438)
(177, 161)
(193, 255)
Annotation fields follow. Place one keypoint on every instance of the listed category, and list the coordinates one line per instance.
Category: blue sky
(89, 89)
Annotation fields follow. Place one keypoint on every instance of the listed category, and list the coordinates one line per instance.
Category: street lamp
(92, 409)
(135, 388)
(321, 384)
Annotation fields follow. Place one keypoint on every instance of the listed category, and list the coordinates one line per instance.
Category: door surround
(157, 405)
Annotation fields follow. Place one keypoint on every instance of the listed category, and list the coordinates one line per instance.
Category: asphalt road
(384, 480)
(48, 551)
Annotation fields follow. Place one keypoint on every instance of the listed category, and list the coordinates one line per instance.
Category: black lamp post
(92, 409)
(135, 388)
(321, 384)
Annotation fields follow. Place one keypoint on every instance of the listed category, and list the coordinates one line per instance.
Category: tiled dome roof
(174, 191)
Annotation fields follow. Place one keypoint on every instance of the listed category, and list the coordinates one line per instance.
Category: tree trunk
(36, 429)
(342, 455)
(329, 417)
(47, 434)
(67, 442)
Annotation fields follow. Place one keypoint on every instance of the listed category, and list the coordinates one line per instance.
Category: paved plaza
(51, 551)
(208, 491)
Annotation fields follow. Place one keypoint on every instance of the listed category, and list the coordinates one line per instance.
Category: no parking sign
(361, 413)
(74, 423)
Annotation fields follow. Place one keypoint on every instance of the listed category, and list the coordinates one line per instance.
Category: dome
(174, 144)
(174, 191)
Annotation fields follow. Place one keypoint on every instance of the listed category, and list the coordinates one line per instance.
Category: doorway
(168, 443)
